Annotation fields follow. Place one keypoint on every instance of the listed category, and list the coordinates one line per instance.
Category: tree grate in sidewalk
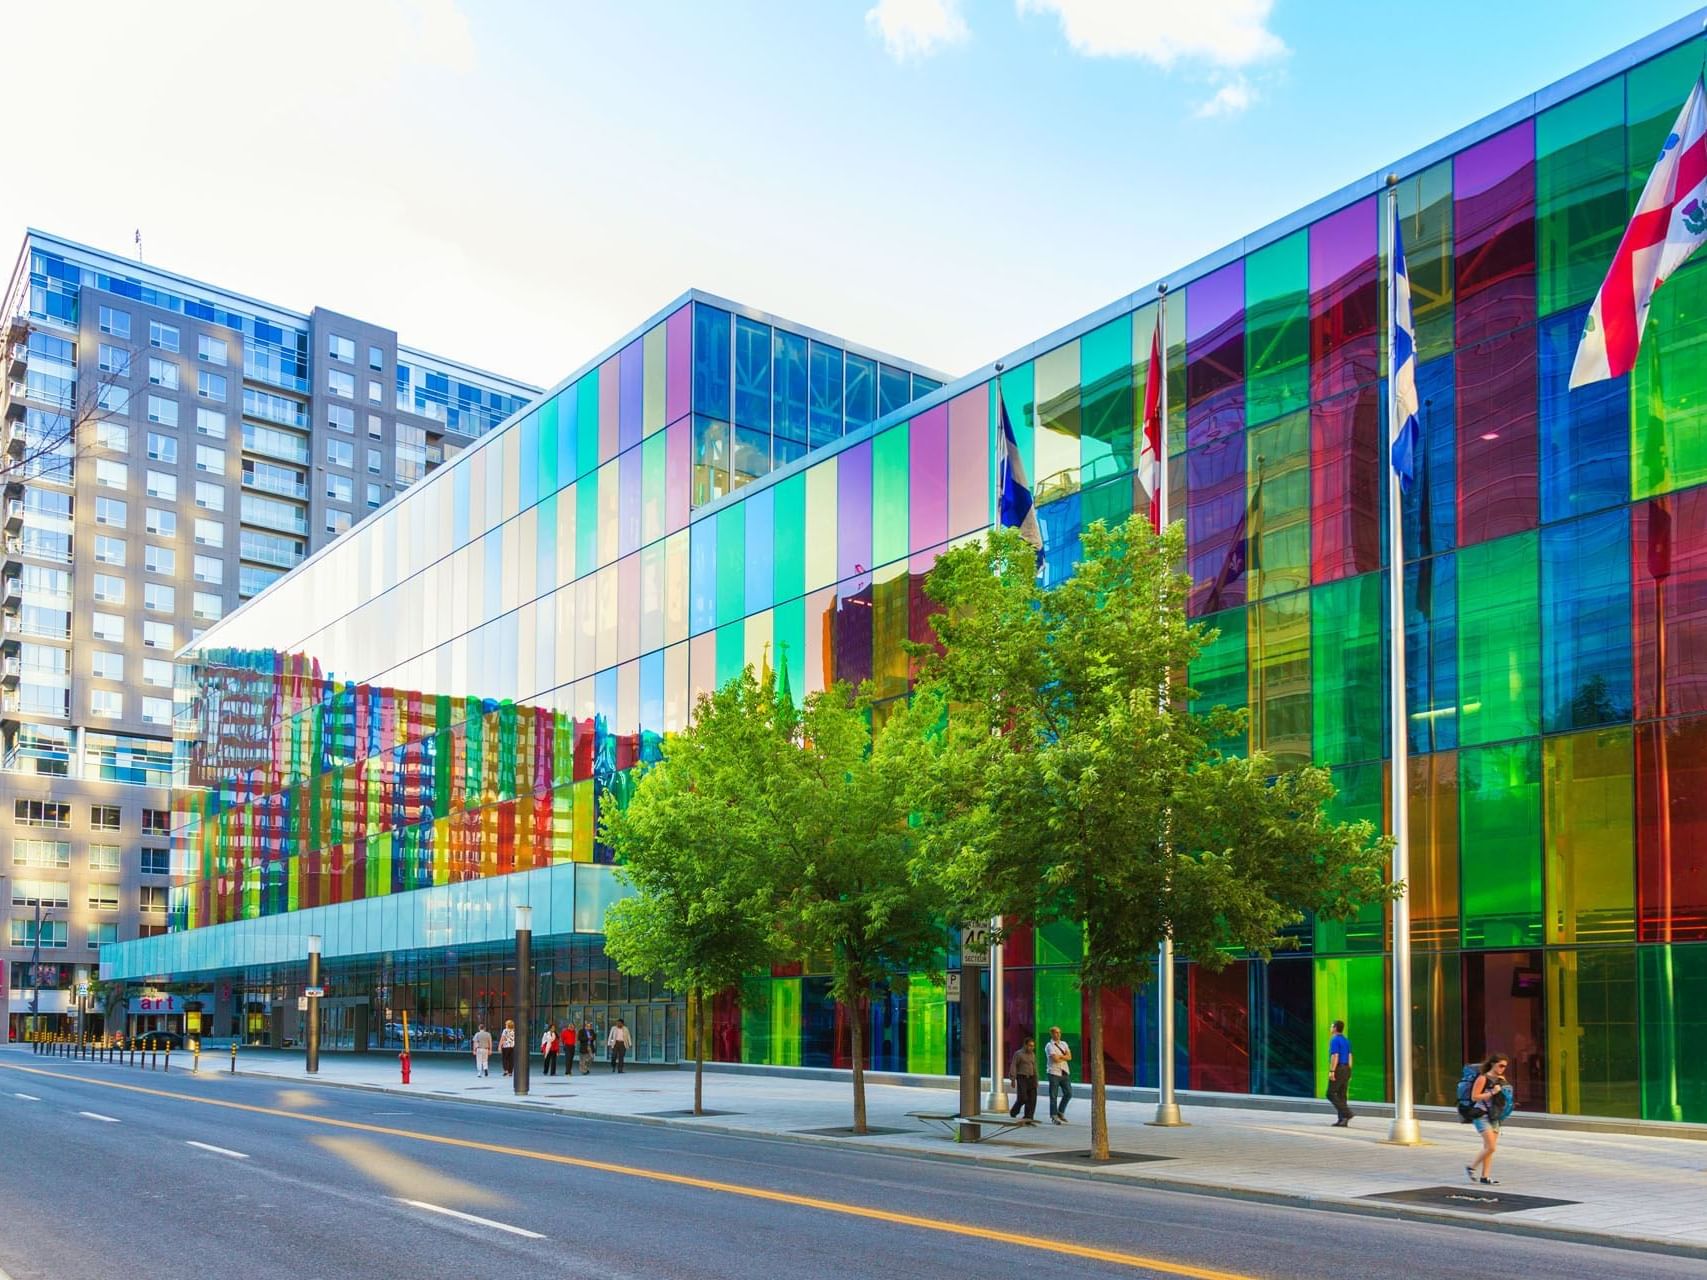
(688, 1112)
(1468, 1199)
(846, 1131)
(1084, 1158)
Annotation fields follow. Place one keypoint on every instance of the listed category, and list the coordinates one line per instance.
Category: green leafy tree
(845, 869)
(1073, 781)
(693, 844)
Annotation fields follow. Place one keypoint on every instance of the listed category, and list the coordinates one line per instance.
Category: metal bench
(956, 1125)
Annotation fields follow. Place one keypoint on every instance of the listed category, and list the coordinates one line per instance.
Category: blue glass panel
(1283, 1032)
(711, 361)
(923, 386)
(529, 446)
(1430, 518)
(568, 411)
(1585, 434)
(1585, 622)
(1060, 522)
(651, 704)
(761, 519)
(825, 412)
(893, 389)
(861, 393)
(1431, 653)
(702, 577)
(788, 388)
(459, 506)
(752, 374)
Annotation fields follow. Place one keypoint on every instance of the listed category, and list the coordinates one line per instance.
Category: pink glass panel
(678, 473)
(678, 363)
(610, 410)
(927, 476)
(969, 465)
(1669, 603)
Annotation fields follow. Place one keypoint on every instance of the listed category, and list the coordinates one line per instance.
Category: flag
(1013, 488)
(1669, 224)
(1150, 461)
(1241, 555)
(1402, 368)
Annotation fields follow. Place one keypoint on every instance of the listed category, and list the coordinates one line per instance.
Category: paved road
(239, 1177)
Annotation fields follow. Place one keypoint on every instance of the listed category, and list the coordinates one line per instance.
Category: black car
(158, 1040)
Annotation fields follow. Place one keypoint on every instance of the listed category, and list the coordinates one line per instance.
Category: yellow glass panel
(652, 395)
(1056, 472)
(821, 522)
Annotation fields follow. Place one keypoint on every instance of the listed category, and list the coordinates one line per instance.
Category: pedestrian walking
(482, 1051)
(1339, 1073)
(588, 1045)
(1490, 1103)
(548, 1048)
(1060, 1067)
(1023, 1068)
(507, 1045)
(617, 1042)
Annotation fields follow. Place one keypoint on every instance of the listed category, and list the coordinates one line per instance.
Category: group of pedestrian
(572, 1044)
(1058, 1065)
(1485, 1099)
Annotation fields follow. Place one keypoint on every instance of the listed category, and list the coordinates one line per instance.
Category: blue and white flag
(1402, 362)
(1013, 489)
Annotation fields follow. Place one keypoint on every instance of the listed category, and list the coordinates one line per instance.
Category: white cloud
(1229, 100)
(916, 28)
(1218, 33)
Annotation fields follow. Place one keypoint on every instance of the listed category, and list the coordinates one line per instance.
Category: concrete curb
(1018, 1164)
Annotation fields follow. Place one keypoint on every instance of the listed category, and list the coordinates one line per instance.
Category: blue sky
(517, 184)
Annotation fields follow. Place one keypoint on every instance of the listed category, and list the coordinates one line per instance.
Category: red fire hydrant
(404, 1059)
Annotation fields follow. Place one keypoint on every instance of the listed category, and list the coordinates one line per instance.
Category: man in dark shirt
(1339, 1073)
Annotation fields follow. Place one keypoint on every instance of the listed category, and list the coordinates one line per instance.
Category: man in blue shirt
(1339, 1073)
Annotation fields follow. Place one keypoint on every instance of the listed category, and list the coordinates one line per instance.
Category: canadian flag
(1150, 461)
(1669, 224)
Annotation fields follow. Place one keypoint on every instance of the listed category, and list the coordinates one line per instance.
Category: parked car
(158, 1040)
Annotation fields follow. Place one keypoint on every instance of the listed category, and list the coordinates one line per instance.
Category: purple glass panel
(610, 394)
(631, 471)
(927, 474)
(678, 363)
(631, 411)
(1493, 212)
(1215, 355)
(853, 510)
(1345, 346)
(1215, 525)
(678, 470)
(850, 627)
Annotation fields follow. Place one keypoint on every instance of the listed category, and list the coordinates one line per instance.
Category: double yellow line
(943, 1226)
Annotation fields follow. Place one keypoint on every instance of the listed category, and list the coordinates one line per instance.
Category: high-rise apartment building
(170, 448)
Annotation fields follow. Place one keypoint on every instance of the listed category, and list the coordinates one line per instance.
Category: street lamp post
(524, 995)
(998, 1099)
(313, 1036)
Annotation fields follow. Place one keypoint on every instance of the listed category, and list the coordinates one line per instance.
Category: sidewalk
(1616, 1189)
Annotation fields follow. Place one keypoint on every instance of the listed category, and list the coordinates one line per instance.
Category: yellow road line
(942, 1225)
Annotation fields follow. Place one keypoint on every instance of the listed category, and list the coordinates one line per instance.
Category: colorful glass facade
(555, 600)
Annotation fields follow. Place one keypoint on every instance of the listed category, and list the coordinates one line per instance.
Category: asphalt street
(119, 1171)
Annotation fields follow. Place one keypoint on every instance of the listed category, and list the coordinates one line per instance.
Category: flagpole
(1167, 1108)
(1404, 1131)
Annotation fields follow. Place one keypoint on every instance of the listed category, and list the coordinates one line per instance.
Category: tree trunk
(1099, 1080)
(698, 998)
(856, 1044)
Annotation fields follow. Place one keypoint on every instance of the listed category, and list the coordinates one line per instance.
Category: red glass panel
(1493, 210)
(1119, 1035)
(1498, 438)
(1220, 1029)
(1345, 485)
(1345, 293)
(1505, 1012)
(1671, 831)
(1668, 540)
(726, 1026)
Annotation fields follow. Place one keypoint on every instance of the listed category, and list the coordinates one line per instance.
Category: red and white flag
(1150, 460)
(1669, 224)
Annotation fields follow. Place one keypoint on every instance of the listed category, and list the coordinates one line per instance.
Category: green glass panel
(1058, 1005)
(785, 1022)
(1278, 633)
(1353, 989)
(1668, 389)
(1109, 410)
(1437, 1025)
(1360, 795)
(547, 448)
(1674, 1032)
(1277, 472)
(1425, 213)
(1592, 1040)
(731, 651)
(1580, 193)
(1654, 93)
(1349, 670)
(1110, 501)
(1218, 675)
(756, 1020)
(788, 630)
(1589, 793)
(1499, 650)
(1499, 857)
(1061, 942)
(889, 507)
(731, 563)
(1277, 328)
(788, 542)
(587, 423)
(927, 1026)
(586, 523)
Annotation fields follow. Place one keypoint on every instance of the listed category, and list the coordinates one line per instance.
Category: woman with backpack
(1489, 1104)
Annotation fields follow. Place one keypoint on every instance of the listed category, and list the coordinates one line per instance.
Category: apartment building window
(109, 550)
(162, 373)
(341, 348)
(119, 757)
(210, 533)
(210, 569)
(207, 606)
(111, 475)
(210, 422)
(105, 817)
(340, 488)
(163, 411)
(154, 895)
(210, 496)
(106, 665)
(55, 934)
(211, 386)
(41, 813)
(374, 497)
(375, 359)
(44, 699)
(113, 436)
(158, 635)
(111, 359)
(340, 453)
(104, 857)
(211, 349)
(340, 417)
(161, 523)
(100, 934)
(164, 336)
(45, 854)
(106, 703)
(42, 749)
(45, 658)
(157, 672)
(111, 512)
(156, 822)
(210, 459)
(163, 485)
(162, 448)
(338, 521)
(159, 597)
(375, 392)
(109, 627)
(157, 711)
(112, 398)
(375, 461)
(340, 383)
(103, 897)
(45, 893)
(160, 560)
(115, 322)
(109, 588)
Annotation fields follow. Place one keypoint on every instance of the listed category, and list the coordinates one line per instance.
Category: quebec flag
(1013, 489)
(1402, 360)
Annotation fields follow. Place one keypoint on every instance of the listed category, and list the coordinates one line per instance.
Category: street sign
(82, 990)
(302, 1004)
(313, 991)
(975, 945)
(951, 985)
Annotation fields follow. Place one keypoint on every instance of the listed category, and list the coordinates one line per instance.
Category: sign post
(313, 992)
(974, 956)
